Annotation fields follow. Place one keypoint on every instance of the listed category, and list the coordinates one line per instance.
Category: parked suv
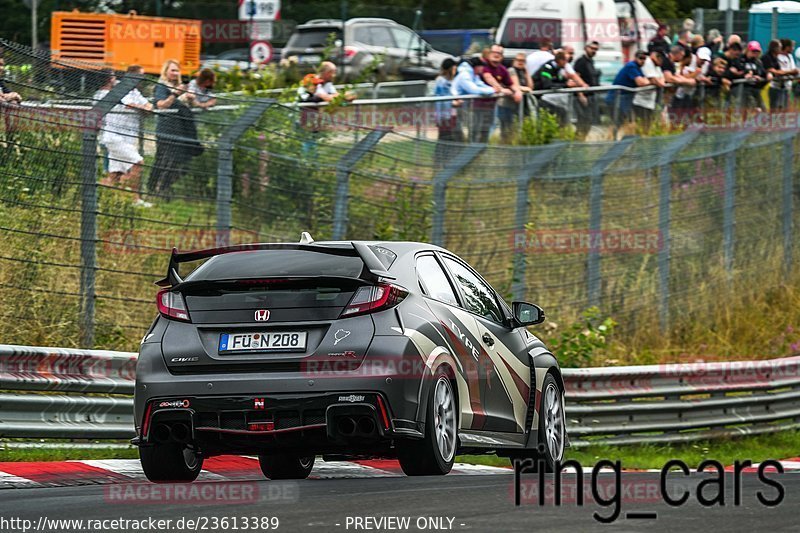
(401, 52)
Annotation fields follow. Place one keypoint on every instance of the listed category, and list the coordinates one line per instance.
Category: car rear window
(313, 38)
(271, 263)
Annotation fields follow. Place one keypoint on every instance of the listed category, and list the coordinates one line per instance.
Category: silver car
(400, 51)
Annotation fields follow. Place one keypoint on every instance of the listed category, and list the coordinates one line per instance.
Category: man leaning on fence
(621, 101)
(469, 81)
(496, 75)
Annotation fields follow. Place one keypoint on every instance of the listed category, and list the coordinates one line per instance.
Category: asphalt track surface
(473, 502)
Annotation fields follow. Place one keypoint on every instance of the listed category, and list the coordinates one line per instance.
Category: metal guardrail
(615, 405)
(87, 412)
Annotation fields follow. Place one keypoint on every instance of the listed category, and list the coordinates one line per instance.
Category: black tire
(283, 466)
(543, 455)
(424, 457)
(170, 463)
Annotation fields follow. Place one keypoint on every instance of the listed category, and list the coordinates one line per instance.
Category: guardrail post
(93, 123)
(539, 161)
(225, 167)
(595, 216)
(343, 168)
(788, 160)
(664, 221)
(462, 159)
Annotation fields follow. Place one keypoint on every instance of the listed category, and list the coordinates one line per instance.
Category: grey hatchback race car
(343, 350)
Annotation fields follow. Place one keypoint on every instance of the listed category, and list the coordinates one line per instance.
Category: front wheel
(165, 463)
(282, 466)
(552, 430)
(435, 453)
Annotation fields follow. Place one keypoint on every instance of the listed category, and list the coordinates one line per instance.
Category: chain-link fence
(93, 194)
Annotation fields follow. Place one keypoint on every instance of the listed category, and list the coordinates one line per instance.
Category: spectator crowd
(672, 79)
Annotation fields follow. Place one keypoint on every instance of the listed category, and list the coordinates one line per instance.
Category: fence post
(788, 199)
(595, 215)
(729, 221)
(728, 21)
(664, 221)
(440, 179)
(774, 24)
(92, 124)
(699, 20)
(537, 164)
(225, 167)
(343, 168)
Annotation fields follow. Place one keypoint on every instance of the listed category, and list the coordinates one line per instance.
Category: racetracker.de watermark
(150, 241)
(199, 493)
(570, 241)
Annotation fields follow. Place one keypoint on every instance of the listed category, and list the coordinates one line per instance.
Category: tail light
(371, 298)
(350, 52)
(146, 419)
(171, 305)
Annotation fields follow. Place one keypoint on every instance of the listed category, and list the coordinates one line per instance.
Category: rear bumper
(311, 423)
(302, 406)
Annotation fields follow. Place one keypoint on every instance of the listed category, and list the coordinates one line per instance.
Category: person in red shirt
(496, 75)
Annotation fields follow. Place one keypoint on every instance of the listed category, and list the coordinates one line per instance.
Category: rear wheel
(435, 453)
(284, 466)
(170, 463)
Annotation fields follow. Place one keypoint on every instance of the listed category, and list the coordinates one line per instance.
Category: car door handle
(488, 339)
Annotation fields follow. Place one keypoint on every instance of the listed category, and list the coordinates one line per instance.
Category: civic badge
(262, 315)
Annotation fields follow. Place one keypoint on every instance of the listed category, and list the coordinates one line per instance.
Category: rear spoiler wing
(373, 265)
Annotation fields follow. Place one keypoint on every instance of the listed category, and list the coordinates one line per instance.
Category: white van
(620, 27)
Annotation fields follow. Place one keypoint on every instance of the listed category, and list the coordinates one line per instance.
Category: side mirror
(527, 314)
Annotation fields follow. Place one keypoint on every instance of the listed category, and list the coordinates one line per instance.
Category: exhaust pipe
(160, 433)
(180, 432)
(366, 426)
(345, 425)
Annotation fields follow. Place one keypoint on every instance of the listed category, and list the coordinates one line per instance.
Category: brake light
(350, 52)
(384, 415)
(171, 305)
(370, 298)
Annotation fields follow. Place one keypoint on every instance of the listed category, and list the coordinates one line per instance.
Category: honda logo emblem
(262, 315)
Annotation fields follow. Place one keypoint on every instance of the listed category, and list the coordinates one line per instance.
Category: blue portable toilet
(761, 21)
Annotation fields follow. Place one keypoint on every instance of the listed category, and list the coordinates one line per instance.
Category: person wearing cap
(630, 75)
(755, 75)
(585, 68)
(446, 116)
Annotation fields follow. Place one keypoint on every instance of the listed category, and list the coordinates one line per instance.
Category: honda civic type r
(346, 350)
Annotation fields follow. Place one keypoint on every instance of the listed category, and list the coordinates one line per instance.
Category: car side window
(362, 34)
(381, 37)
(478, 296)
(434, 281)
(406, 39)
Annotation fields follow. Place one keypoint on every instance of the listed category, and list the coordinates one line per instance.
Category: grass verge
(755, 448)
(65, 454)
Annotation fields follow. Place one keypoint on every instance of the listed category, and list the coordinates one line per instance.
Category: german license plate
(263, 340)
(310, 59)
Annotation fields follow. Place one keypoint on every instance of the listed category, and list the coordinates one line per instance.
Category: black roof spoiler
(354, 249)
